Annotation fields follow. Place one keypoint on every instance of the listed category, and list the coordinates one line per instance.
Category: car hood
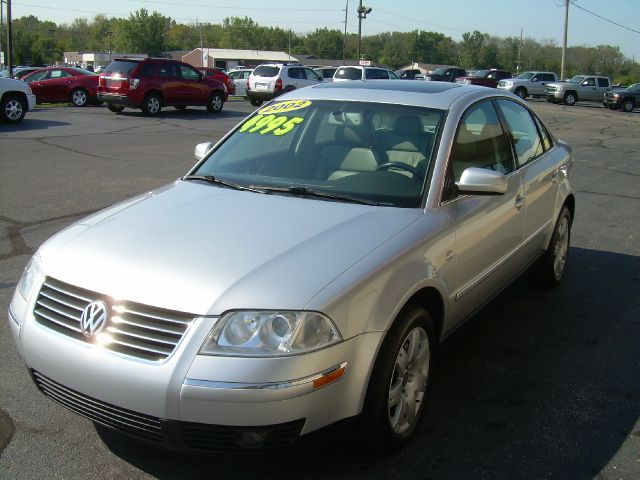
(203, 249)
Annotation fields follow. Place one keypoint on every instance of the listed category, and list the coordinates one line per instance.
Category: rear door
(35, 81)
(173, 88)
(539, 168)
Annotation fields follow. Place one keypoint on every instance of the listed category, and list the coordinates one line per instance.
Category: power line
(236, 7)
(572, 2)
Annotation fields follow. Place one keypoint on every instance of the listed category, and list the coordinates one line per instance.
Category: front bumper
(554, 96)
(612, 102)
(187, 390)
(31, 101)
(507, 88)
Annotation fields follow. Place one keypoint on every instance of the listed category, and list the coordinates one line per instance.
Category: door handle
(519, 201)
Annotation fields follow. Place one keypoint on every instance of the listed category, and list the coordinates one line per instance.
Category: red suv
(221, 75)
(153, 83)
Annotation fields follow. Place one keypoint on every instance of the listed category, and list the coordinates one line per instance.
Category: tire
(215, 103)
(399, 380)
(628, 105)
(570, 98)
(79, 97)
(115, 108)
(255, 102)
(152, 104)
(12, 109)
(521, 92)
(550, 268)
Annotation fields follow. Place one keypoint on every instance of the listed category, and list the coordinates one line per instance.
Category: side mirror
(480, 181)
(202, 149)
(534, 79)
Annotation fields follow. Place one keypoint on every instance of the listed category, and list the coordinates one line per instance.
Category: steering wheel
(402, 166)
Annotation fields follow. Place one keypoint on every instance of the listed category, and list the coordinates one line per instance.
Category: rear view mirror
(480, 181)
(202, 149)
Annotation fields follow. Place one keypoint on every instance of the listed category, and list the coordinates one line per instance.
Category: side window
(36, 77)
(169, 70)
(480, 142)
(189, 73)
(311, 75)
(522, 130)
(548, 77)
(376, 74)
(297, 73)
(589, 82)
(544, 133)
(235, 75)
(603, 82)
(147, 70)
(393, 76)
(59, 74)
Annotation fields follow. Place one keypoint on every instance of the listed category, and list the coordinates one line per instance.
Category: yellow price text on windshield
(272, 124)
(287, 106)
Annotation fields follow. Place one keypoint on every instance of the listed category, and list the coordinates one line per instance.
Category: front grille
(174, 434)
(127, 421)
(132, 329)
(551, 89)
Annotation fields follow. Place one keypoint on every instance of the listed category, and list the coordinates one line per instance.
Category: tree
(143, 33)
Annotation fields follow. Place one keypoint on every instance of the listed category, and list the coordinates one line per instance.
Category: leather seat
(351, 154)
(407, 143)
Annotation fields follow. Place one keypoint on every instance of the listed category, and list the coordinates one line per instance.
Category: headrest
(354, 136)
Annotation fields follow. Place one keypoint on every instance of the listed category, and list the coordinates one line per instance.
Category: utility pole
(109, 34)
(9, 40)
(51, 31)
(519, 53)
(344, 38)
(362, 13)
(564, 43)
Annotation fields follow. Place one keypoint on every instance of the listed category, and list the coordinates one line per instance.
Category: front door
(489, 227)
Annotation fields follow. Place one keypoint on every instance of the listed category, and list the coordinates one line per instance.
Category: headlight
(29, 277)
(270, 334)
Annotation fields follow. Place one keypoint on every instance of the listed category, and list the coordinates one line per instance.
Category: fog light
(249, 439)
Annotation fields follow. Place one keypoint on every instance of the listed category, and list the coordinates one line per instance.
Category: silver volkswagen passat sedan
(303, 271)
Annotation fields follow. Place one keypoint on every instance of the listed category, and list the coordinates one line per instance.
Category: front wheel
(551, 266)
(628, 105)
(12, 109)
(79, 97)
(215, 103)
(570, 98)
(152, 105)
(521, 92)
(399, 381)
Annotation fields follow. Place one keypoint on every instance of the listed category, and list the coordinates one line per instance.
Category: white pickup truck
(16, 98)
(580, 87)
(528, 84)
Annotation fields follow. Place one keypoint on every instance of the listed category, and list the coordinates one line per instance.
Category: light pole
(362, 13)
(51, 31)
(109, 34)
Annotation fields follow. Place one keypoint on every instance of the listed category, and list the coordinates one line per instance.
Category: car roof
(440, 95)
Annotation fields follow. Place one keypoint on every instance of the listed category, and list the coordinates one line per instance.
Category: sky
(538, 19)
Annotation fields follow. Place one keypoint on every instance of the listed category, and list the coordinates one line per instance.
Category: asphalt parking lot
(539, 385)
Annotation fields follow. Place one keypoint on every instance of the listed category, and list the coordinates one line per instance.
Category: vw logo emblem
(94, 318)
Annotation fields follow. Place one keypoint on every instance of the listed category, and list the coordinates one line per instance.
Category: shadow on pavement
(537, 385)
(190, 113)
(31, 124)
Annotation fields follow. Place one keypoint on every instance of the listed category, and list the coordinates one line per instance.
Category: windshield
(634, 88)
(525, 75)
(82, 71)
(479, 73)
(363, 151)
(348, 73)
(576, 79)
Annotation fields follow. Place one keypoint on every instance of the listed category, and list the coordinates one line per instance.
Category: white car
(269, 80)
(240, 78)
(363, 73)
(16, 99)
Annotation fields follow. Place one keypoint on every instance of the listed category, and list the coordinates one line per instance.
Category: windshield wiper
(303, 191)
(224, 183)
